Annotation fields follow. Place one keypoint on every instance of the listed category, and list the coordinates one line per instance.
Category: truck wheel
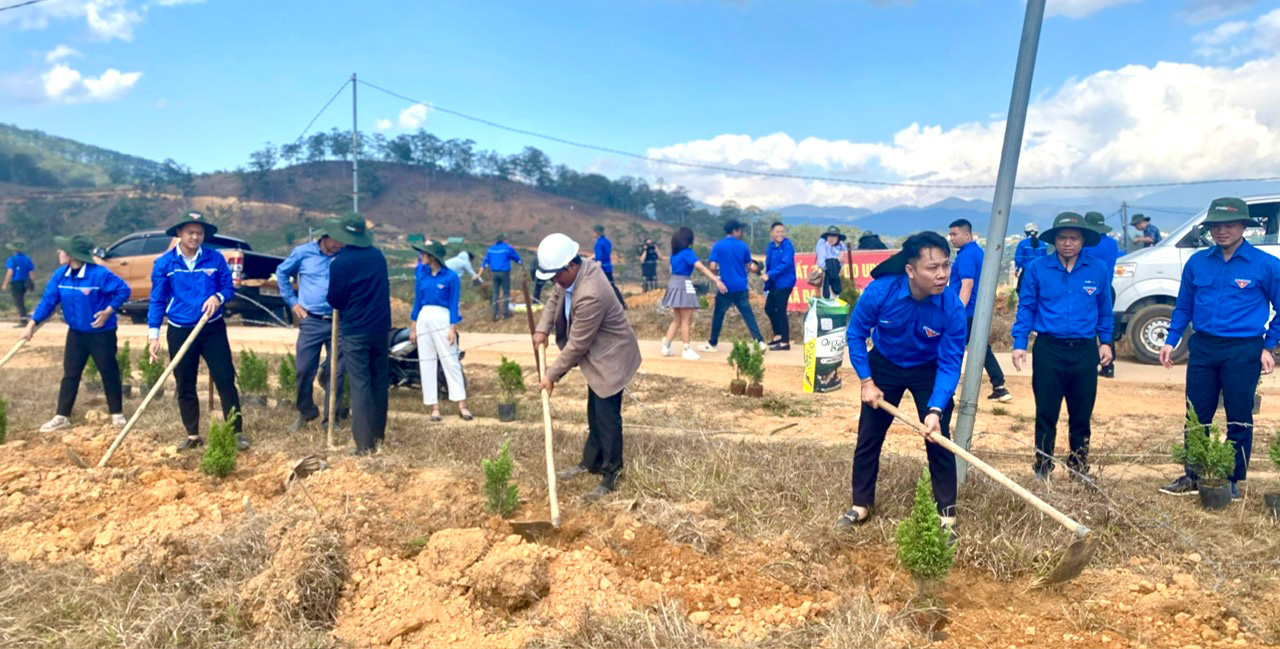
(1147, 332)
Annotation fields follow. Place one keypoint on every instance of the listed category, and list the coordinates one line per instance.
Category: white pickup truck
(1146, 281)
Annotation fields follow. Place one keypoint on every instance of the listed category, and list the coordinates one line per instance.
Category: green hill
(37, 159)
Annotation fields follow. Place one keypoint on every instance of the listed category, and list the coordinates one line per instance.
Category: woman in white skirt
(436, 318)
(681, 297)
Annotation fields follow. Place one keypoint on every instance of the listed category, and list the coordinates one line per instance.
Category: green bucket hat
(833, 230)
(1071, 220)
(350, 230)
(432, 248)
(599, 229)
(16, 245)
(77, 247)
(1097, 221)
(1137, 218)
(1226, 210)
(192, 217)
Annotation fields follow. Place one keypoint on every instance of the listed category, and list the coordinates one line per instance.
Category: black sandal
(851, 519)
(466, 415)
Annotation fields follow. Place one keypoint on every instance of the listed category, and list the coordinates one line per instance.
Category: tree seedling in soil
(924, 552)
(1272, 500)
(220, 453)
(4, 420)
(511, 384)
(287, 376)
(252, 376)
(502, 493)
(1210, 456)
(150, 371)
(754, 371)
(850, 294)
(124, 358)
(739, 357)
(91, 376)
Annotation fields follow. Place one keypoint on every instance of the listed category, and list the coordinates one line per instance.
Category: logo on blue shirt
(930, 332)
(1243, 283)
(1090, 290)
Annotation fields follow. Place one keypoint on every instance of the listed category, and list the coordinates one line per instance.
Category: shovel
(16, 347)
(538, 529)
(1081, 550)
(159, 384)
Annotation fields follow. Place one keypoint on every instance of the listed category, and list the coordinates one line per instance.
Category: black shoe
(242, 442)
(300, 423)
(1108, 371)
(952, 537)
(190, 443)
(1042, 472)
(571, 473)
(851, 519)
(598, 493)
(1183, 486)
(779, 346)
(1000, 394)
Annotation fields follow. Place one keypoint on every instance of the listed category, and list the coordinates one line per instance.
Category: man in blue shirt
(310, 262)
(17, 278)
(917, 328)
(497, 259)
(1227, 294)
(779, 281)
(1066, 300)
(1028, 250)
(733, 258)
(189, 281)
(965, 275)
(1108, 251)
(603, 253)
(90, 295)
(1148, 234)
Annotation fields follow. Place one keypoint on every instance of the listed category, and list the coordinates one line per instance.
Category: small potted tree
(511, 384)
(91, 377)
(286, 381)
(926, 553)
(4, 420)
(252, 375)
(150, 371)
(754, 371)
(1211, 457)
(1272, 500)
(220, 454)
(124, 358)
(739, 358)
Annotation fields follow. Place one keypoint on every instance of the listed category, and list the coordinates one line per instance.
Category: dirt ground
(720, 534)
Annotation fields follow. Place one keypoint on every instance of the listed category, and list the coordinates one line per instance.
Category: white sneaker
(764, 346)
(666, 347)
(707, 347)
(118, 420)
(57, 422)
(689, 354)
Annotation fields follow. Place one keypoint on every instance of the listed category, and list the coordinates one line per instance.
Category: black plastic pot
(1272, 502)
(1215, 497)
(126, 390)
(506, 412)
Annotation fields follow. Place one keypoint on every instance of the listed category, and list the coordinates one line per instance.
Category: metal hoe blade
(1073, 562)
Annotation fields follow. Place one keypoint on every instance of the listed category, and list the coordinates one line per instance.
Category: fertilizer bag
(824, 343)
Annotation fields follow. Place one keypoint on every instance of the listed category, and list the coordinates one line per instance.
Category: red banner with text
(863, 262)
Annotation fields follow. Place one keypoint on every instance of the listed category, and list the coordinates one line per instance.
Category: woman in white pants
(436, 318)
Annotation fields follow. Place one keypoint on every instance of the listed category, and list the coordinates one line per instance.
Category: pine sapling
(287, 377)
(503, 494)
(4, 420)
(510, 380)
(90, 375)
(124, 358)
(220, 453)
(1206, 452)
(150, 370)
(252, 373)
(923, 548)
(1274, 450)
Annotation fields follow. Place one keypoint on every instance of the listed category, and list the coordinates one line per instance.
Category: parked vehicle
(1146, 281)
(253, 273)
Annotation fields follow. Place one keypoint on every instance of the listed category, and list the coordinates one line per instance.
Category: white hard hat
(1030, 227)
(554, 254)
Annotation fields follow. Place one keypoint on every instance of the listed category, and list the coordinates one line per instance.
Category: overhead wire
(21, 5)
(327, 104)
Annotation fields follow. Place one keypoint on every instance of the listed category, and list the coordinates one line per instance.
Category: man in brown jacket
(593, 334)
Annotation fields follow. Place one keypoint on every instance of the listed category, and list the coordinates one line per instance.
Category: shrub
(1011, 302)
(1275, 450)
(220, 454)
(252, 373)
(150, 371)
(922, 543)
(4, 420)
(287, 377)
(850, 294)
(503, 494)
(739, 357)
(124, 358)
(754, 367)
(510, 380)
(90, 374)
(1205, 451)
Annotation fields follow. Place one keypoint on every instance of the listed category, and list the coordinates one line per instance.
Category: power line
(326, 107)
(1159, 209)
(781, 174)
(21, 4)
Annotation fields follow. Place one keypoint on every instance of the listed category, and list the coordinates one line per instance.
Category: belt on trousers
(317, 316)
(1225, 339)
(1068, 342)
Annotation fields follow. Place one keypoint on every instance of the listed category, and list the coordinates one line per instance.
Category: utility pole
(1003, 201)
(1124, 224)
(355, 151)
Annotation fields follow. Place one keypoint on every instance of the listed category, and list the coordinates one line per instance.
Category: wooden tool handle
(16, 347)
(991, 472)
(551, 459)
(528, 310)
(173, 362)
(333, 381)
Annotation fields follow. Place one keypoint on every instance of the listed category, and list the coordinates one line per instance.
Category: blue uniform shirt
(732, 256)
(21, 266)
(178, 292)
(1232, 299)
(682, 262)
(909, 332)
(1151, 231)
(780, 264)
(1074, 304)
(1108, 251)
(441, 289)
(499, 256)
(604, 253)
(82, 293)
(1024, 254)
(968, 265)
(310, 263)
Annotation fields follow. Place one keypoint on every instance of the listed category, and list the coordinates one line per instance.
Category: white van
(1146, 281)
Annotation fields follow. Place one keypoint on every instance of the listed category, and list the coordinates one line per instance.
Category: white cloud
(59, 53)
(1080, 8)
(1201, 11)
(413, 116)
(111, 19)
(63, 84)
(1232, 40)
(383, 125)
(105, 19)
(1173, 121)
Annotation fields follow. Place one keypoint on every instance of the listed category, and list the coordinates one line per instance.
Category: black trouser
(101, 346)
(993, 366)
(364, 360)
(1229, 366)
(740, 299)
(831, 286)
(602, 453)
(500, 296)
(18, 289)
(314, 334)
(1064, 368)
(894, 381)
(650, 271)
(775, 307)
(537, 288)
(211, 344)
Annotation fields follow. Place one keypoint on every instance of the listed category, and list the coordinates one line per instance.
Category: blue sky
(809, 87)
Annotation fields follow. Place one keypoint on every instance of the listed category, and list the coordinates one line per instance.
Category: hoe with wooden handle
(182, 351)
(1081, 550)
(538, 529)
(333, 383)
(16, 347)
